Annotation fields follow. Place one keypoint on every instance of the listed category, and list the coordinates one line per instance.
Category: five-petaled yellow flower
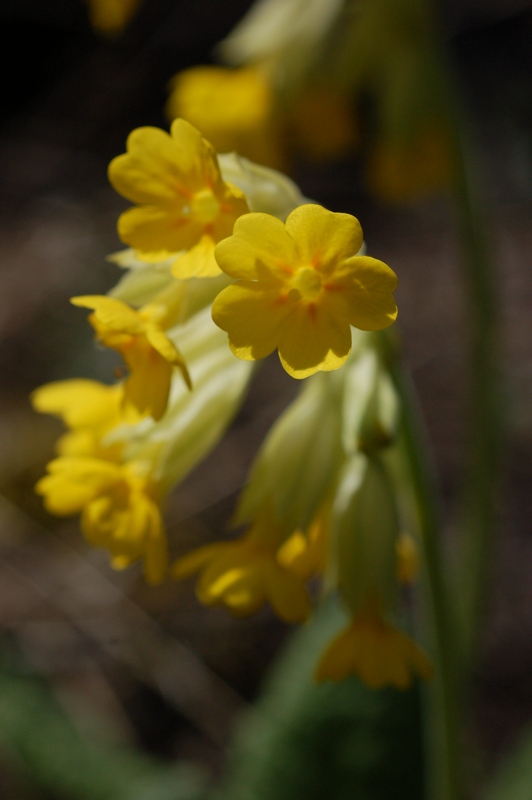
(184, 206)
(140, 339)
(300, 286)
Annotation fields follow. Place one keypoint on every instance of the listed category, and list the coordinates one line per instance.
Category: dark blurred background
(165, 674)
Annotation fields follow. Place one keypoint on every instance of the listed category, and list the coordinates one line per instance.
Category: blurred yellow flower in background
(245, 574)
(90, 409)
(118, 505)
(110, 16)
(299, 288)
(183, 203)
(147, 351)
(233, 108)
(377, 652)
(399, 171)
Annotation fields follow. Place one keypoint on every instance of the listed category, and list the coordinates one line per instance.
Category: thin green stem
(444, 736)
(484, 421)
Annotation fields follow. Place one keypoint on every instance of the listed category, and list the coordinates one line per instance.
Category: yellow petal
(156, 166)
(198, 261)
(111, 313)
(360, 290)
(259, 248)
(323, 238)
(379, 654)
(167, 349)
(80, 402)
(148, 385)
(160, 230)
(191, 563)
(313, 340)
(253, 318)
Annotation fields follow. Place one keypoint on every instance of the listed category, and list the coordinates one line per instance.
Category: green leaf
(335, 741)
(38, 739)
(513, 779)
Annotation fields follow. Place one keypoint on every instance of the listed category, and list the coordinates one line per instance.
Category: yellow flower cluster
(223, 251)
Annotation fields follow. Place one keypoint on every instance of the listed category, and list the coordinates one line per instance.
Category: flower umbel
(139, 338)
(183, 203)
(300, 286)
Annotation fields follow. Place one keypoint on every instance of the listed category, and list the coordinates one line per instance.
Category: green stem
(484, 413)
(444, 736)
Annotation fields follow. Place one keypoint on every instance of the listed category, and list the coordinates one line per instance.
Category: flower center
(306, 283)
(205, 206)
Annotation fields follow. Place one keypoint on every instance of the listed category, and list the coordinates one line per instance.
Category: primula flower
(183, 203)
(90, 409)
(375, 651)
(118, 505)
(300, 286)
(232, 107)
(245, 574)
(140, 339)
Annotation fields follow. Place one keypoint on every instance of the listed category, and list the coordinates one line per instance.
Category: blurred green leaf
(37, 737)
(513, 779)
(335, 741)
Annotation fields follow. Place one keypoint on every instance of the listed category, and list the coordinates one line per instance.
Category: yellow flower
(400, 171)
(90, 409)
(119, 508)
(148, 352)
(245, 574)
(300, 287)
(183, 203)
(375, 651)
(110, 16)
(305, 555)
(232, 107)
(408, 559)
(322, 123)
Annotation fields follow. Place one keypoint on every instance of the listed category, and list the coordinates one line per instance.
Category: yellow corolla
(243, 576)
(119, 508)
(140, 339)
(375, 651)
(184, 206)
(300, 286)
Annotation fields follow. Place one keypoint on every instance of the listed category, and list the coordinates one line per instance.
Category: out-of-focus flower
(184, 207)
(233, 108)
(90, 409)
(118, 505)
(110, 16)
(140, 339)
(322, 123)
(245, 574)
(299, 288)
(377, 652)
(408, 559)
(398, 171)
(365, 532)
